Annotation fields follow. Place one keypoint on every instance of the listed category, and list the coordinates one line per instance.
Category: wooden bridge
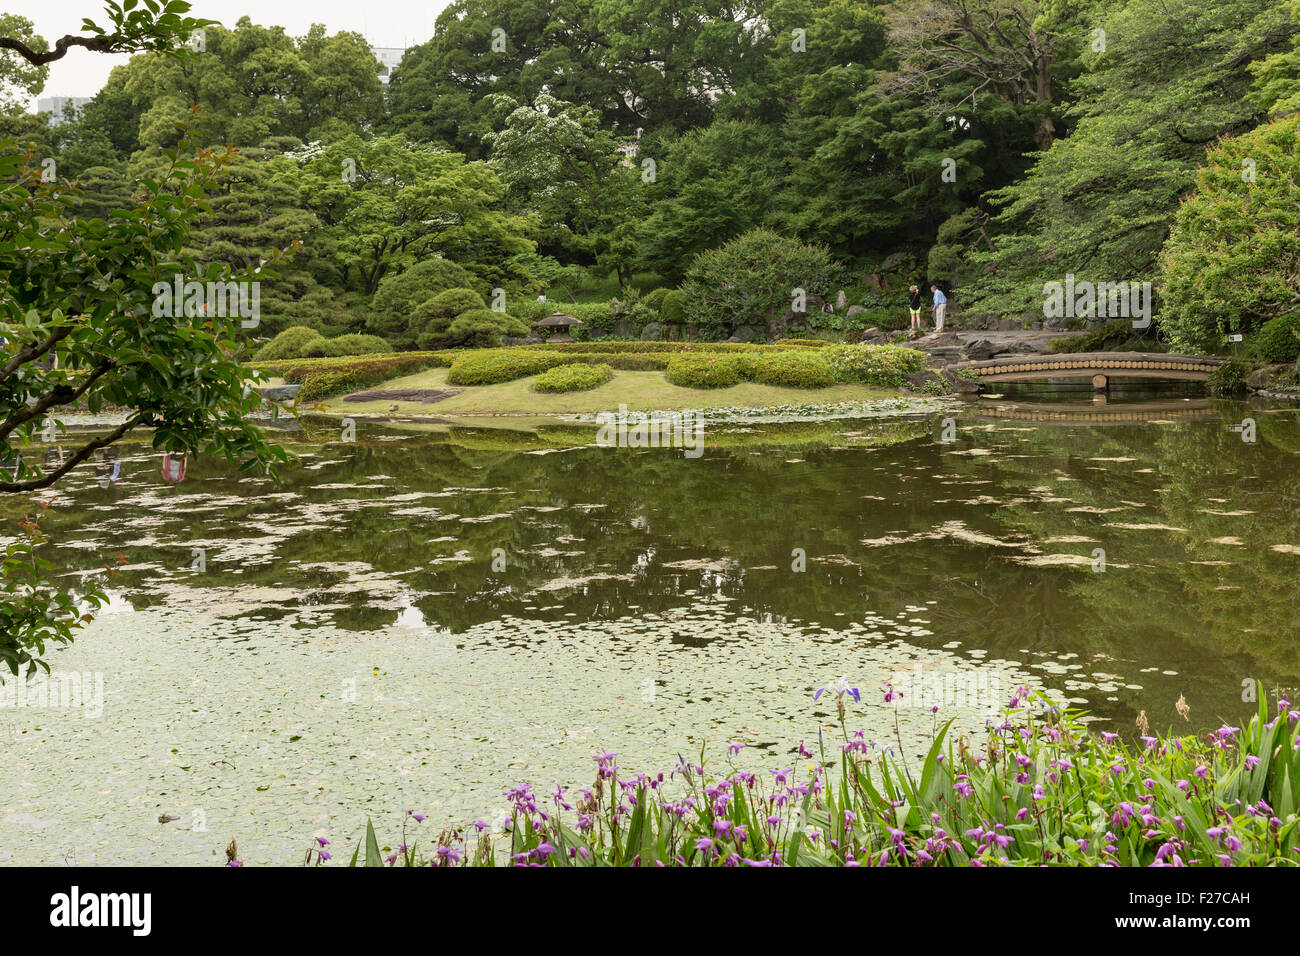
(1098, 366)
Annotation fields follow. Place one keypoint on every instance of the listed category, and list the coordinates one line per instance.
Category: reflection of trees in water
(1173, 608)
(753, 504)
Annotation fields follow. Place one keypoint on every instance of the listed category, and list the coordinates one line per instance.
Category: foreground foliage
(1042, 790)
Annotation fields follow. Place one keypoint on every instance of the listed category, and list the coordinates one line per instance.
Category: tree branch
(36, 484)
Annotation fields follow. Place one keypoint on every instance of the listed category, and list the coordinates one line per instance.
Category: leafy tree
(78, 329)
(20, 76)
(1172, 79)
(1232, 260)
(712, 184)
(753, 280)
(393, 312)
(483, 328)
(563, 168)
(389, 203)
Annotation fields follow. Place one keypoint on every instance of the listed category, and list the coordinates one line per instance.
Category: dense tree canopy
(993, 145)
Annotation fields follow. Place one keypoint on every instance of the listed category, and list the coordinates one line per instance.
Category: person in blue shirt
(940, 301)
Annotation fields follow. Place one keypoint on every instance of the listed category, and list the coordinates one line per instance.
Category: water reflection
(997, 534)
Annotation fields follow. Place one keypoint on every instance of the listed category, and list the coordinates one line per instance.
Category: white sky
(83, 73)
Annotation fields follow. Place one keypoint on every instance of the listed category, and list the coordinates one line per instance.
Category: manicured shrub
(702, 371)
(344, 345)
(654, 298)
(502, 365)
(1279, 339)
(394, 303)
(482, 328)
(321, 378)
(797, 369)
(577, 377)
(880, 365)
(293, 342)
(670, 308)
(433, 317)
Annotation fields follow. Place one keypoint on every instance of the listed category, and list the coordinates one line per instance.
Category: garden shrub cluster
(326, 377)
(881, 365)
(299, 341)
(1228, 379)
(796, 369)
(1279, 339)
(501, 365)
(578, 377)
(703, 371)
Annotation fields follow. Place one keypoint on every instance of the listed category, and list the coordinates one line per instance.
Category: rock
(1010, 325)
(652, 332)
(924, 381)
(624, 329)
(1263, 376)
(873, 336)
(978, 351)
(841, 301)
(734, 339)
(961, 384)
(167, 818)
(938, 340)
(279, 393)
(1056, 325)
(892, 260)
(532, 338)
(855, 310)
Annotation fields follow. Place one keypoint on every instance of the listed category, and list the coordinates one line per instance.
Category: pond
(422, 617)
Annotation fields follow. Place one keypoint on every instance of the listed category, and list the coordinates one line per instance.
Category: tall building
(56, 105)
(389, 57)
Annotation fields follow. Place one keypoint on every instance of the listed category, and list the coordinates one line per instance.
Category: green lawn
(641, 391)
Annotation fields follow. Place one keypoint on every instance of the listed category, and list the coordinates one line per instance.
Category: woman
(914, 304)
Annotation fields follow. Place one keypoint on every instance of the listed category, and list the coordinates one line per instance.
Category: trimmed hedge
(290, 343)
(347, 345)
(700, 371)
(881, 365)
(1279, 339)
(501, 365)
(796, 369)
(321, 378)
(578, 377)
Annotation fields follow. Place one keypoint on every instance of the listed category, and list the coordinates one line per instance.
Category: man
(940, 301)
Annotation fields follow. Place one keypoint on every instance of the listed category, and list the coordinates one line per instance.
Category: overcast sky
(83, 73)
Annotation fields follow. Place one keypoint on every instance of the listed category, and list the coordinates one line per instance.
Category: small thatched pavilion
(560, 322)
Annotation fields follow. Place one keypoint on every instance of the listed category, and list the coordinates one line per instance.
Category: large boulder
(926, 381)
(652, 332)
(873, 336)
(978, 351)
(841, 301)
(855, 310)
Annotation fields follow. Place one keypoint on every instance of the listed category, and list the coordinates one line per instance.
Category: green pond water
(419, 620)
